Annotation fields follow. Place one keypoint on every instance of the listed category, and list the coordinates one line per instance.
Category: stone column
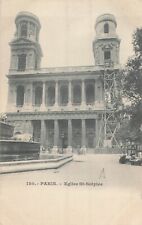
(14, 62)
(43, 95)
(31, 103)
(28, 96)
(97, 133)
(83, 94)
(98, 94)
(101, 91)
(11, 102)
(96, 91)
(69, 136)
(100, 131)
(43, 133)
(56, 93)
(33, 95)
(56, 136)
(70, 94)
(83, 147)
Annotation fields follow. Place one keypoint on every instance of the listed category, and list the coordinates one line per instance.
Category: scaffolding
(110, 117)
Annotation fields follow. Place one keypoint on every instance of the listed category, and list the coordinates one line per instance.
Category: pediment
(107, 46)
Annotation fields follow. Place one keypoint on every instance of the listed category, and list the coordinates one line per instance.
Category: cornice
(62, 71)
(92, 114)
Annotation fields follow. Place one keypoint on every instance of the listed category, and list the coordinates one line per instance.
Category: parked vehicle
(132, 154)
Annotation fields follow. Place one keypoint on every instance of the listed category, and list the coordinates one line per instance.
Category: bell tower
(25, 48)
(106, 43)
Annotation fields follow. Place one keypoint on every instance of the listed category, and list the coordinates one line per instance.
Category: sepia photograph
(70, 112)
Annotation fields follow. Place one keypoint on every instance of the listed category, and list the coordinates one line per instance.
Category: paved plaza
(93, 189)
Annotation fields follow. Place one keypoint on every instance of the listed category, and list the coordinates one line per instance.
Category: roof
(28, 15)
(106, 17)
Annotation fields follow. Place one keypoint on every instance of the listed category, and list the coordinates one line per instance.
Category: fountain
(19, 153)
(17, 147)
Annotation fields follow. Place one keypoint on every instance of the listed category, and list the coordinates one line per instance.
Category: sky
(67, 31)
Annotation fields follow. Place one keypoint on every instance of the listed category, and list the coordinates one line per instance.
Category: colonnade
(89, 91)
(60, 93)
(68, 132)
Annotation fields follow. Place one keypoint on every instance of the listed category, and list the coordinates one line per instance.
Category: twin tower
(26, 52)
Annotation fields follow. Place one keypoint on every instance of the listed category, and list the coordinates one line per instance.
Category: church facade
(60, 107)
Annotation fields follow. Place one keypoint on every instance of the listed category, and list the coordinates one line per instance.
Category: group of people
(132, 153)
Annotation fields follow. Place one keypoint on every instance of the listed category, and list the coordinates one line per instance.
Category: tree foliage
(137, 40)
(129, 133)
(132, 88)
(133, 71)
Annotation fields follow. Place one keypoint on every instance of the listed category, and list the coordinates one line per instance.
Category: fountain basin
(31, 165)
(18, 147)
(6, 130)
(14, 150)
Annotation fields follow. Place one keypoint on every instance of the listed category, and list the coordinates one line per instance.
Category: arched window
(21, 62)
(50, 96)
(24, 30)
(77, 94)
(64, 95)
(90, 94)
(20, 96)
(38, 96)
(106, 28)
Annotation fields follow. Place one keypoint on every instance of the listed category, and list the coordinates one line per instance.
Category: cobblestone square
(71, 194)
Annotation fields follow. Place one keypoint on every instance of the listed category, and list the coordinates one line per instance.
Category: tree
(132, 88)
(128, 133)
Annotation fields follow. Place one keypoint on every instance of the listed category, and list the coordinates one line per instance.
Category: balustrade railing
(72, 106)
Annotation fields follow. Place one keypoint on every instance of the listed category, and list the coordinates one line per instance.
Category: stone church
(61, 107)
